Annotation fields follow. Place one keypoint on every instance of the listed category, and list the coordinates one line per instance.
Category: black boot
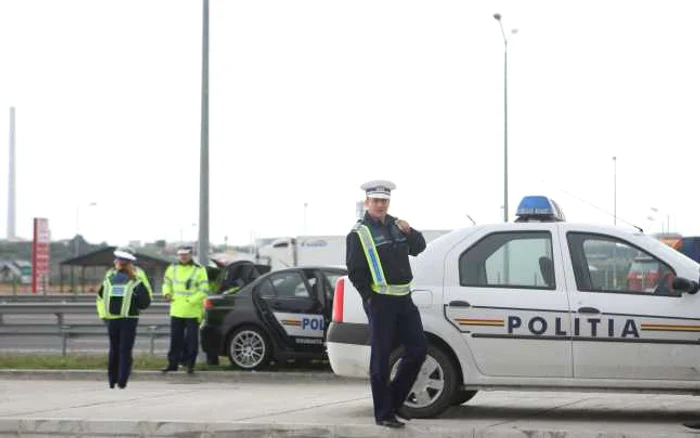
(392, 423)
(695, 425)
(402, 415)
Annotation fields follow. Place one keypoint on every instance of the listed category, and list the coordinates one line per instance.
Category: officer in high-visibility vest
(140, 273)
(121, 297)
(377, 260)
(185, 286)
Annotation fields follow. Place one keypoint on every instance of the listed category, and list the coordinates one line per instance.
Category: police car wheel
(435, 386)
(462, 396)
(248, 348)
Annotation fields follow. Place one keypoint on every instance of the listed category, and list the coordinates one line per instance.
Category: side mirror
(684, 285)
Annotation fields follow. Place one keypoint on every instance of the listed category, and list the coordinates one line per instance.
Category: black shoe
(168, 368)
(692, 425)
(121, 385)
(403, 415)
(190, 370)
(392, 423)
(111, 385)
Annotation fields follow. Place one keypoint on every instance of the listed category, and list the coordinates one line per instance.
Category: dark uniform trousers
(184, 341)
(122, 333)
(394, 317)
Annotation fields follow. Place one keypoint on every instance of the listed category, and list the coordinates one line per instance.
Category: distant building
(12, 271)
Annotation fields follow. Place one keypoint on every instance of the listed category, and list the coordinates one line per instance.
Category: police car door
(505, 293)
(296, 308)
(629, 323)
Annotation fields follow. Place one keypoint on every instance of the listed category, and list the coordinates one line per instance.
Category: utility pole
(204, 151)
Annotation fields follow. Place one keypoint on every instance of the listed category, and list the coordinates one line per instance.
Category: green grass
(141, 362)
(86, 362)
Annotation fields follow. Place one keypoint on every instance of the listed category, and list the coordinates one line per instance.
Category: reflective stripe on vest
(185, 291)
(124, 291)
(379, 284)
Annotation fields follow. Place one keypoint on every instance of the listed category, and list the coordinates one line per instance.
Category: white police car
(538, 304)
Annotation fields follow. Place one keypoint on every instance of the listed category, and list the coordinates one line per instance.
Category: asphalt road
(313, 405)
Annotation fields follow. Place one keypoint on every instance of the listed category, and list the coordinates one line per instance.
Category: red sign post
(40, 255)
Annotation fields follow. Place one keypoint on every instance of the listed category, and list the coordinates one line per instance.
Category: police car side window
(607, 264)
(509, 260)
(290, 285)
(265, 289)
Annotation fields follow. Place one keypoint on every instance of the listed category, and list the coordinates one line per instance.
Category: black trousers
(184, 341)
(122, 333)
(390, 318)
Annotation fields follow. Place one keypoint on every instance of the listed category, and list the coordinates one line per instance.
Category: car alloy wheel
(429, 384)
(435, 386)
(248, 349)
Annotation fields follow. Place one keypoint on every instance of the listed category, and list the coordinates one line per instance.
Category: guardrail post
(152, 333)
(64, 339)
(59, 319)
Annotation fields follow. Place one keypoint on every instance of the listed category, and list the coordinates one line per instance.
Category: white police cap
(126, 254)
(184, 249)
(378, 188)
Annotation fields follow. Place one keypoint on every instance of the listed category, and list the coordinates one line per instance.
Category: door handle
(588, 310)
(459, 304)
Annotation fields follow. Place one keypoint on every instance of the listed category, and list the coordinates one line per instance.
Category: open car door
(238, 274)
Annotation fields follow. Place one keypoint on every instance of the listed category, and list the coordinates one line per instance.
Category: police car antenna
(599, 208)
(470, 218)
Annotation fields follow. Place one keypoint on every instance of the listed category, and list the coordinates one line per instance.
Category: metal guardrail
(58, 298)
(54, 298)
(67, 331)
(64, 308)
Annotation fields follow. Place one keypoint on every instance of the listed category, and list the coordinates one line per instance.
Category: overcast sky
(309, 99)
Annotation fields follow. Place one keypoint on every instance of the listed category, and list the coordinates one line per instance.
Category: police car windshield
(666, 251)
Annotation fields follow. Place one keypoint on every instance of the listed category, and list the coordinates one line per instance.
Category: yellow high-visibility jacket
(188, 286)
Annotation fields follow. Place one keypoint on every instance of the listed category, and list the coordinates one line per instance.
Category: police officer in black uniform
(377, 260)
(120, 300)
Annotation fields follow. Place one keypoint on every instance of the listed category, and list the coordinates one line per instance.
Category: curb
(162, 429)
(180, 376)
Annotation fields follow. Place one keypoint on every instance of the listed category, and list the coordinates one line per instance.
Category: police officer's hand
(168, 297)
(403, 226)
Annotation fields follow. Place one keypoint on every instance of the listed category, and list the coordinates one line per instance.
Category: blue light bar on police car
(539, 208)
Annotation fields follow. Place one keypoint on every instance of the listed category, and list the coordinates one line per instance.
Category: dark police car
(280, 315)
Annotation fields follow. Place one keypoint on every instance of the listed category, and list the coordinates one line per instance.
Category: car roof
(317, 267)
(339, 269)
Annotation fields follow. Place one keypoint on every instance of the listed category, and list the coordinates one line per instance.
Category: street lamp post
(306, 204)
(614, 190)
(182, 234)
(76, 244)
(204, 147)
(668, 220)
(506, 38)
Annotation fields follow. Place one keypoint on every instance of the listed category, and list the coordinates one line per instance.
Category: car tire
(435, 386)
(248, 348)
(462, 396)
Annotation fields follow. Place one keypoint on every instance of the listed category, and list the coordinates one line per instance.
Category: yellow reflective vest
(188, 286)
(124, 293)
(379, 283)
(140, 274)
